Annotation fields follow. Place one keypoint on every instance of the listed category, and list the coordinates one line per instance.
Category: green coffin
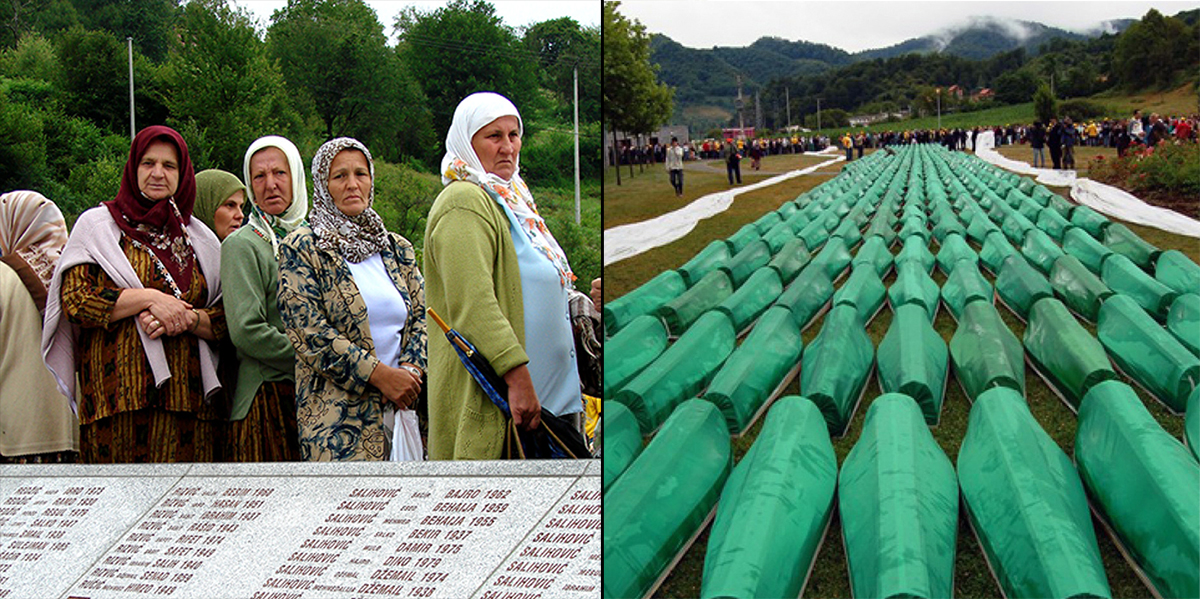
(913, 285)
(953, 250)
(1147, 352)
(790, 260)
(814, 234)
(767, 221)
(1124, 277)
(864, 291)
(1064, 352)
(774, 509)
(754, 256)
(680, 373)
(1027, 504)
(1089, 220)
(1081, 290)
(996, 249)
(756, 368)
(1040, 250)
(1177, 271)
(980, 227)
(1019, 285)
(631, 350)
(965, 285)
(912, 359)
(1183, 321)
(753, 298)
(836, 367)
(779, 236)
(807, 295)
(1053, 223)
(898, 501)
(874, 252)
(1121, 240)
(663, 498)
(680, 313)
(744, 236)
(620, 439)
(646, 299)
(916, 249)
(712, 257)
(985, 353)
(1083, 246)
(1191, 425)
(834, 258)
(1145, 482)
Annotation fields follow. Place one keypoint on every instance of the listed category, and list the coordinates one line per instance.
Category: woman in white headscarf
(353, 301)
(496, 274)
(264, 402)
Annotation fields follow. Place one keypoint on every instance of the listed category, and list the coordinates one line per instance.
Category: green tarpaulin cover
(754, 256)
(1053, 223)
(631, 350)
(1019, 285)
(1177, 271)
(753, 298)
(1191, 426)
(849, 233)
(1057, 202)
(1124, 277)
(1121, 240)
(996, 249)
(834, 258)
(1147, 352)
(1026, 503)
(643, 300)
(913, 285)
(985, 353)
(774, 508)
(790, 260)
(1064, 352)
(916, 249)
(946, 226)
(913, 360)
(778, 236)
(814, 234)
(1089, 220)
(744, 236)
(914, 226)
(1081, 290)
(663, 498)
(1015, 227)
(965, 285)
(884, 226)
(898, 501)
(807, 295)
(1040, 250)
(1145, 482)
(1183, 321)
(836, 367)
(681, 312)
(981, 226)
(620, 439)
(747, 379)
(712, 257)
(953, 250)
(680, 372)
(864, 291)
(767, 221)
(1083, 246)
(874, 252)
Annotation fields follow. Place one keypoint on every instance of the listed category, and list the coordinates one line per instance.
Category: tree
(634, 101)
(95, 76)
(1151, 51)
(463, 48)
(561, 45)
(1045, 106)
(149, 22)
(335, 58)
(1015, 87)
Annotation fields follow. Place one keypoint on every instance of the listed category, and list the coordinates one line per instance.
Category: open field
(829, 577)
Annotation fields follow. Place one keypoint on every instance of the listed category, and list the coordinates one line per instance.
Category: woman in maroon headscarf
(132, 308)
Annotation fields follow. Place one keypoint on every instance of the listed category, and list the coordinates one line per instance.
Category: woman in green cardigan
(264, 401)
(498, 276)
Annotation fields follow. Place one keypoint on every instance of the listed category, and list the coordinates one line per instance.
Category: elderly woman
(264, 402)
(219, 199)
(353, 302)
(497, 275)
(133, 309)
(36, 423)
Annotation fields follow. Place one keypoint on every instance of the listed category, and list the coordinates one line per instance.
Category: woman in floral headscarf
(353, 303)
(264, 402)
(497, 275)
(134, 306)
(36, 423)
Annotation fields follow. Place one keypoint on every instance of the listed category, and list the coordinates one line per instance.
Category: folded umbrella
(555, 438)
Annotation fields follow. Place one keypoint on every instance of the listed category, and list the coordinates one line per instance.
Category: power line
(490, 49)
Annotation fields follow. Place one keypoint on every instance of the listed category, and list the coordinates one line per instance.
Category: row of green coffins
(741, 278)
(898, 500)
(912, 358)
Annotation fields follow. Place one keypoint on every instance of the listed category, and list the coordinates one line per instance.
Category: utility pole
(939, 105)
(132, 126)
(577, 217)
(740, 106)
(758, 122)
(788, 100)
(818, 114)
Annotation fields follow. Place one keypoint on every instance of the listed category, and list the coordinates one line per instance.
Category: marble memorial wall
(490, 530)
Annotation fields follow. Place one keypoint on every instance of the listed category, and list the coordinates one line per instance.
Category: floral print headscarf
(462, 164)
(355, 238)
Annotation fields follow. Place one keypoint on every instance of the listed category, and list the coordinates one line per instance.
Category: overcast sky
(855, 26)
(515, 13)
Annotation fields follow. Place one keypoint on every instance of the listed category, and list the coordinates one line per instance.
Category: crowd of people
(206, 317)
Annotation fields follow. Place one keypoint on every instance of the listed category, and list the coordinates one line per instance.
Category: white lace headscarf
(462, 164)
(32, 227)
(355, 238)
(272, 228)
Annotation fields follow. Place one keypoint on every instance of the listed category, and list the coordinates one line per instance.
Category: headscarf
(462, 164)
(33, 228)
(213, 187)
(355, 238)
(274, 228)
(158, 226)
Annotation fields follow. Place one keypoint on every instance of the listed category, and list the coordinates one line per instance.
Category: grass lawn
(829, 577)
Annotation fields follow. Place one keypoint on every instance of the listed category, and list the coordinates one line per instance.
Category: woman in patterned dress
(133, 309)
(353, 303)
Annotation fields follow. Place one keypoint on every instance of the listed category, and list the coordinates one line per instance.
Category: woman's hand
(172, 315)
(155, 327)
(522, 399)
(399, 386)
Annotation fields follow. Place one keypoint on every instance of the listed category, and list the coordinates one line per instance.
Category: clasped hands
(167, 315)
(399, 386)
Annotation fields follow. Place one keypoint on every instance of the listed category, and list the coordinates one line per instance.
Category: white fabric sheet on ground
(630, 240)
(1105, 199)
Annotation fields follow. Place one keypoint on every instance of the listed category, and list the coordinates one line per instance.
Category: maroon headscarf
(159, 225)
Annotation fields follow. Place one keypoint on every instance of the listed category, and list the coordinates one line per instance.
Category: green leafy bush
(1170, 167)
(1080, 110)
